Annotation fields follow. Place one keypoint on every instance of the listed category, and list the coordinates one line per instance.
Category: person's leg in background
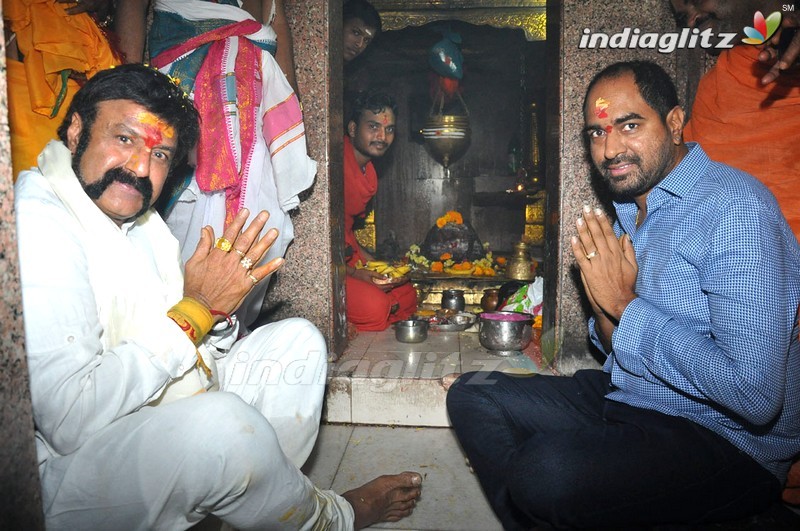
(367, 306)
(405, 297)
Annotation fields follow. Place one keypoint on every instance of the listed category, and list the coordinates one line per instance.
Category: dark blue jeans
(552, 450)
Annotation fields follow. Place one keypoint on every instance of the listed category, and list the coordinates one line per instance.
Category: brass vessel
(520, 266)
(447, 137)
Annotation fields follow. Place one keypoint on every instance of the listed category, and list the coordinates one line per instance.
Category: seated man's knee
(222, 426)
(464, 394)
(545, 482)
(306, 336)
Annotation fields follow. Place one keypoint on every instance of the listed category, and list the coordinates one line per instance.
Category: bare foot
(448, 379)
(385, 499)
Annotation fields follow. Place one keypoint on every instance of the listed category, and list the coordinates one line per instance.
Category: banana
(384, 268)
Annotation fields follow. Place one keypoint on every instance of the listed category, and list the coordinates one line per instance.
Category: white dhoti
(234, 453)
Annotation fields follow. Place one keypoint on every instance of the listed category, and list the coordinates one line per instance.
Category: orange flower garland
(450, 217)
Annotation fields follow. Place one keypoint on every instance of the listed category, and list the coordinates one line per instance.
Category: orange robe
(752, 127)
(54, 46)
(368, 307)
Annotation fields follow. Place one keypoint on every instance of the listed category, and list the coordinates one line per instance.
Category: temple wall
(20, 501)
(311, 283)
(569, 179)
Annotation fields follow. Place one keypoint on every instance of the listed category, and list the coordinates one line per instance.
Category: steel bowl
(505, 333)
(411, 331)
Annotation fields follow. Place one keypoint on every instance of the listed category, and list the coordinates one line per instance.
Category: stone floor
(385, 413)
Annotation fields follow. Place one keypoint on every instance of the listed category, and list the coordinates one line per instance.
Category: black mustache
(143, 185)
(619, 160)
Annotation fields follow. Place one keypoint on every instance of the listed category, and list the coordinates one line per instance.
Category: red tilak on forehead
(152, 136)
(385, 120)
(609, 129)
(154, 129)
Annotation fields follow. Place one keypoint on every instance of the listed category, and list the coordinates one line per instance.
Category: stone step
(382, 381)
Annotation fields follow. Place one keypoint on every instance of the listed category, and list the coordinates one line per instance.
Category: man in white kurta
(130, 433)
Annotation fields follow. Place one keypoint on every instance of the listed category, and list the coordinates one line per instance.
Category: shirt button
(70, 339)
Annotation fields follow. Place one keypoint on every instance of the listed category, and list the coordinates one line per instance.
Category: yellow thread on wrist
(196, 315)
(195, 320)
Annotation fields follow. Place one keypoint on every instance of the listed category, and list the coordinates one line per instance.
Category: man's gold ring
(246, 262)
(591, 255)
(223, 244)
(252, 278)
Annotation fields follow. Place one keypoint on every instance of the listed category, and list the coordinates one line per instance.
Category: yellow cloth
(752, 127)
(52, 44)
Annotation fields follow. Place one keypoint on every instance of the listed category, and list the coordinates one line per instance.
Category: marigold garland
(450, 217)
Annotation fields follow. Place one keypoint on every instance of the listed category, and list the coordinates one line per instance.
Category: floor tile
(411, 364)
(362, 341)
(436, 342)
(451, 499)
(323, 463)
(486, 361)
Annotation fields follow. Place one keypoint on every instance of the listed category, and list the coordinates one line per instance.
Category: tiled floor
(349, 456)
(387, 399)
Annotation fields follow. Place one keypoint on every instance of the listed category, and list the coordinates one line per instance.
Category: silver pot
(505, 333)
(453, 299)
(411, 331)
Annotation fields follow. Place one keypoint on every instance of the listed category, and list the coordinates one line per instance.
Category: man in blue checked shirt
(695, 287)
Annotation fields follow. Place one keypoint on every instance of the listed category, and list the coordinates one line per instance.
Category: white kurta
(101, 352)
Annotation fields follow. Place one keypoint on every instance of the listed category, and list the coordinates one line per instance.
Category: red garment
(368, 307)
(752, 127)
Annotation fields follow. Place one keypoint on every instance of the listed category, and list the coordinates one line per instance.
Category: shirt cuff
(637, 336)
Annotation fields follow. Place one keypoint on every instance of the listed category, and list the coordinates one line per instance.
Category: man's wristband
(193, 317)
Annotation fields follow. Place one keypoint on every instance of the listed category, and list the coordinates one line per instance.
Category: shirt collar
(677, 183)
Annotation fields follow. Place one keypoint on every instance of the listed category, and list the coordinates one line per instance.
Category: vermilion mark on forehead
(154, 129)
(385, 120)
(609, 129)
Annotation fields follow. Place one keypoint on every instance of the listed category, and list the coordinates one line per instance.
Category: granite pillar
(311, 284)
(569, 180)
(20, 501)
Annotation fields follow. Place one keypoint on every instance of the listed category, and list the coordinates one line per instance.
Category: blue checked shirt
(711, 336)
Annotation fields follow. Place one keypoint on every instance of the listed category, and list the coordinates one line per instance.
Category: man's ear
(74, 132)
(675, 119)
(351, 129)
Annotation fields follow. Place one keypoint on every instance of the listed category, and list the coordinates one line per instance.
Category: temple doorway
(496, 183)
